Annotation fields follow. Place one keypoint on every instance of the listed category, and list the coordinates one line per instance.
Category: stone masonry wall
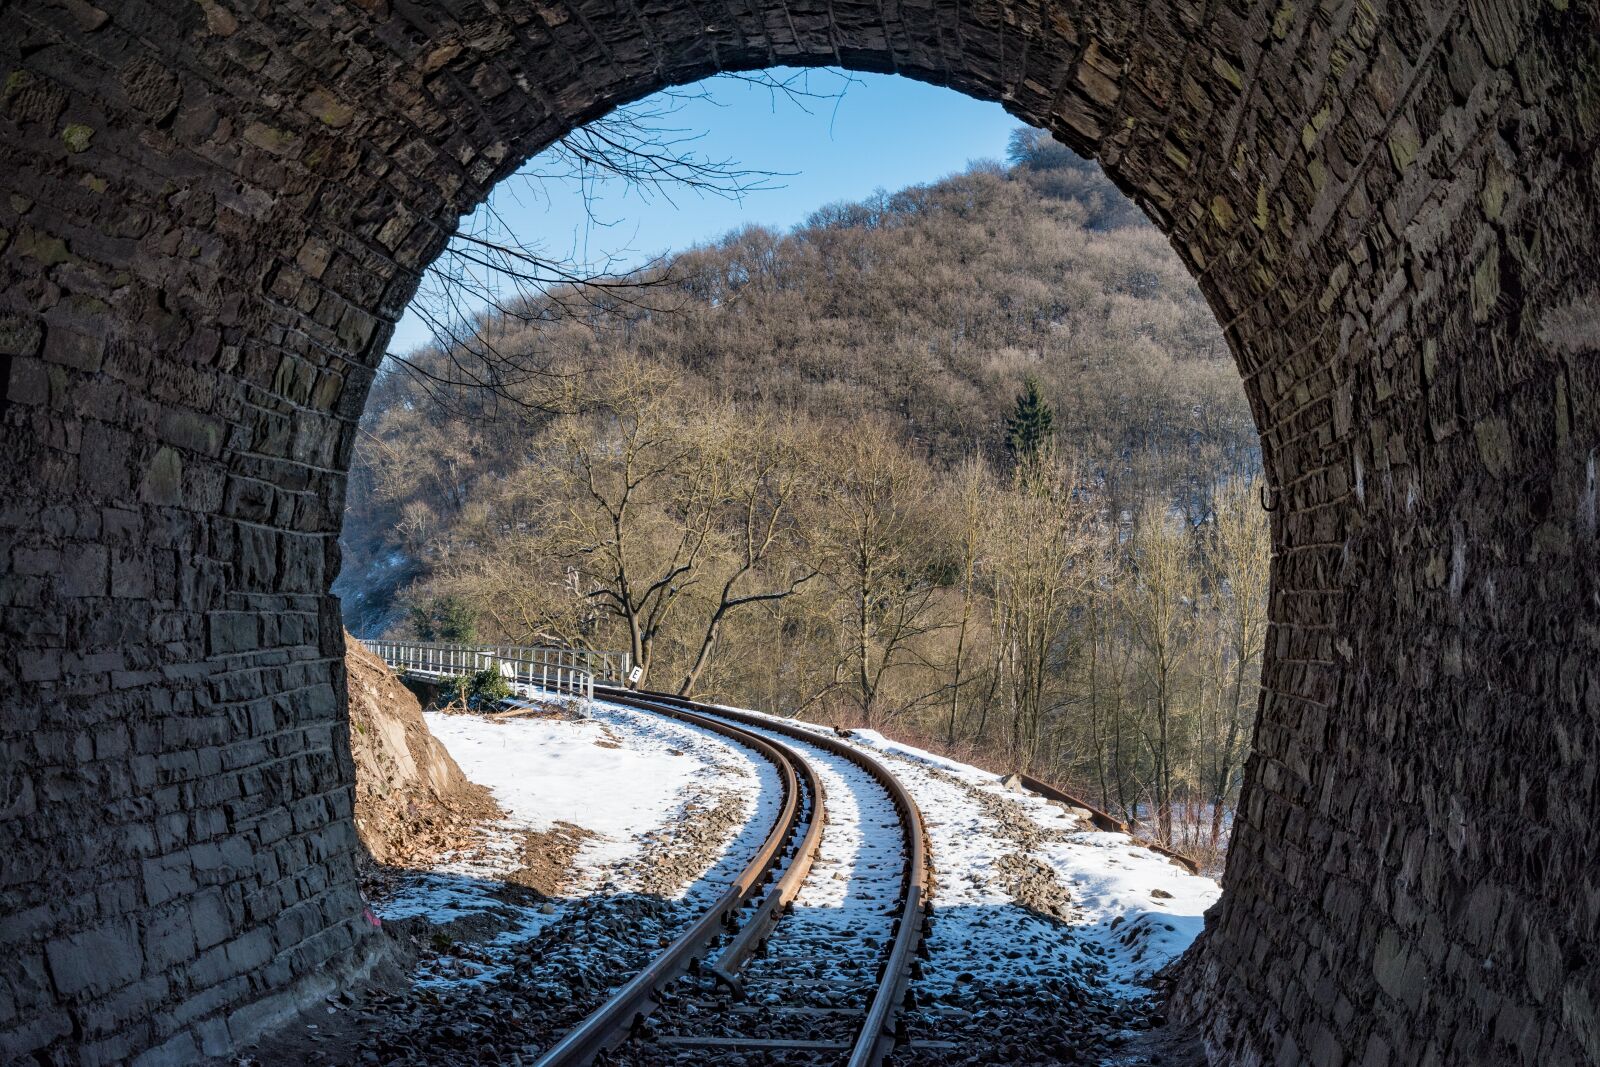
(212, 212)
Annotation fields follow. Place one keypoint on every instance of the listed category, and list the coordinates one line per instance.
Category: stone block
(251, 950)
(95, 960)
(169, 938)
(28, 382)
(163, 479)
(40, 665)
(179, 1050)
(70, 348)
(214, 1038)
(208, 916)
(112, 1014)
(168, 877)
(230, 632)
(84, 570)
(190, 431)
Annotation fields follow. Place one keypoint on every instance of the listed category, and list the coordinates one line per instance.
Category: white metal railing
(561, 670)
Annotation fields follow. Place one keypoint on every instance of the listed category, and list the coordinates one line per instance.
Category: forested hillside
(969, 462)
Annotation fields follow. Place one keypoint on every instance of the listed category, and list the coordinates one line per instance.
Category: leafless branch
(486, 298)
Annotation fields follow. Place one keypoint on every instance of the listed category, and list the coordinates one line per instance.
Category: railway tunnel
(215, 211)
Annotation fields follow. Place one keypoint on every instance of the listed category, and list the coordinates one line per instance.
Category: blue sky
(882, 132)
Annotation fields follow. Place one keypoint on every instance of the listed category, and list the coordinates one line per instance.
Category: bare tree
(1159, 603)
(513, 591)
(1039, 554)
(633, 492)
(974, 491)
(490, 282)
(1238, 553)
(761, 480)
(871, 540)
(1106, 670)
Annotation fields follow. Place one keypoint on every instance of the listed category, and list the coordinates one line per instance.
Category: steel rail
(1104, 821)
(876, 1039)
(613, 1019)
(765, 918)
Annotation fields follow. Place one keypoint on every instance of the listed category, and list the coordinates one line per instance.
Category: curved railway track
(696, 981)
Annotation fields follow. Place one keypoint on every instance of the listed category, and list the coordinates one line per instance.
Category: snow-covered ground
(626, 779)
(1138, 908)
(1024, 891)
(1132, 909)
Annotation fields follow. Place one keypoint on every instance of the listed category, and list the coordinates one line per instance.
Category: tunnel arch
(216, 211)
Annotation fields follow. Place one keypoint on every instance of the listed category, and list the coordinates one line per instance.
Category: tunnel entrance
(215, 213)
(815, 430)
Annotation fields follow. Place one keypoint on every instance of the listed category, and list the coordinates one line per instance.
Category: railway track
(822, 985)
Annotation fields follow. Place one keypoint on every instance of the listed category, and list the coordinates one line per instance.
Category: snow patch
(1135, 907)
(622, 775)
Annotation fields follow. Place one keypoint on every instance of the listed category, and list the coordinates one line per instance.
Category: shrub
(487, 686)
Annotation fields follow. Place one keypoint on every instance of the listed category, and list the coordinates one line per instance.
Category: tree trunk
(955, 682)
(636, 644)
(1164, 758)
(1225, 771)
(692, 679)
(1094, 708)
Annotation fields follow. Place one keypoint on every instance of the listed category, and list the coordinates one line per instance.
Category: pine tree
(1030, 424)
(457, 621)
(445, 619)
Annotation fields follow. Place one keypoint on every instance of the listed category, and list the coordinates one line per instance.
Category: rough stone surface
(212, 212)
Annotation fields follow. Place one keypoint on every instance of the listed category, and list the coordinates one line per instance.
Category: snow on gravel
(1133, 909)
(624, 776)
(852, 893)
(1137, 906)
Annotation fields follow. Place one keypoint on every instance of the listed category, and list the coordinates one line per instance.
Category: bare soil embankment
(413, 804)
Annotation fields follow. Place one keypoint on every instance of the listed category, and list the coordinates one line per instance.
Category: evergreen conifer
(1030, 424)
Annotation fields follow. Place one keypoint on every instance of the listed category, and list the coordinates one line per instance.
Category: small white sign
(634, 675)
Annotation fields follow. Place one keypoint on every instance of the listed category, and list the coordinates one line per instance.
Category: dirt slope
(412, 802)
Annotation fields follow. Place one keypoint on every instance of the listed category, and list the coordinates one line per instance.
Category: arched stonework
(211, 211)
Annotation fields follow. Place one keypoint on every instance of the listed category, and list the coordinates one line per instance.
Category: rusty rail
(636, 998)
(761, 923)
(877, 1037)
(1104, 821)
